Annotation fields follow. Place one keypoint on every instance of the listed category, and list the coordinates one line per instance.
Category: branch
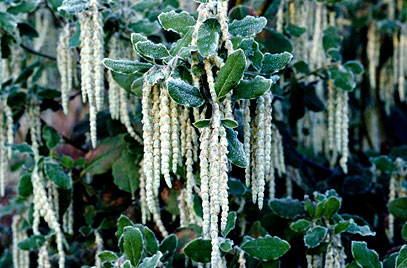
(37, 52)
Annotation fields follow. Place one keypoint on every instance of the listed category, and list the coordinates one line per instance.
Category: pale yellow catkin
(156, 140)
(246, 139)
(63, 56)
(114, 88)
(190, 183)
(125, 118)
(344, 132)
(259, 152)
(175, 139)
(223, 177)
(204, 175)
(165, 135)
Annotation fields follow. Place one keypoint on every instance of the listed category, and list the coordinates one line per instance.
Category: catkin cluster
(92, 70)
(21, 258)
(335, 254)
(6, 137)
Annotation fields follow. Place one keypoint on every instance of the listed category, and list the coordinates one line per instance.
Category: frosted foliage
(249, 26)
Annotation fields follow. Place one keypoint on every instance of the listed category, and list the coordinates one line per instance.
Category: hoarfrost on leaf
(179, 23)
(249, 26)
(152, 50)
(183, 93)
(126, 66)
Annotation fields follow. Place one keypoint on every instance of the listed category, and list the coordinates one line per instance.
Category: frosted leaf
(126, 81)
(183, 93)
(137, 87)
(257, 58)
(230, 73)
(146, 5)
(251, 51)
(135, 38)
(342, 78)
(185, 52)
(145, 26)
(7, 22)
(179, 23)
(202, 123)
(154, 76)
(249, 26)
(126, 66)
(354, 66)
(74, 6)
(236, 152)
(273, 63)
(251, 89)
(184, 42)
(331, 39)
(208, 37)
(152, 50)
(247, 45)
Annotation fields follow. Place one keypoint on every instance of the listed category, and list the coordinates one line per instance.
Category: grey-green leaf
(273, 63)
(74, 6)
(230, 223)
(151, 242)
(363, 230)
(398, 207)
(332, 205)
(125, 173)
(300, 225)
(287, 208)
(251, 89)
(126, 66)
(249, 26)
(107, 255)
(236, 152)
(56, 174)
(230, 73)
(152, 50)
(315, 236)
(199, 250)
(365, 257)
(32, 242)
(202, 123)
(183, 93)
(208, 37)
(267, 248)
(132, 244)
(151, 262)
(177, 22)
(401, 260)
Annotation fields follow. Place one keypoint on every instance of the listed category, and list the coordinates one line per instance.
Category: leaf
(383, 163)
(199, 250)
(353, 264)
(126, 66)
(75, 39)
(151, 242)
(137, 87)
(56, 174)
(404, 231)
(50, 136)
(248, 26)
(32, 242)
(287, 208)
(341, 226)
(208, 37)
(135, 38)
(364, 230)
(401, 260)
(315, 236)
(273, 63)
(331, 39)
(122, 222)
(295, 31)
(107, 255)
(125, 171)
(7, 22)
(202, 123)
(24, 7)
(182, 44)
(128, 82)
(236, 187)
(151, 262)
(398, 207)
(132, 244)
(236, 152)
(230, 223)
(342, 78)
(229, 123)
(274, 42)
(390, 261)
(300, 225)
(152, 50)
(179, 23)
(90, 214)
(154, 76)
(146, 5)
(332, 205)
(145, 26)
(267, 248)
(25, 187)
(230, 73)
(226, 245)
(183, 93)
(169, 245)
(354, 66)
(365, 257)
(74, 6)
(251, 89)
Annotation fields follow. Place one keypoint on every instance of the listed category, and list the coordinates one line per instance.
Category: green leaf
(126, 66)
(390, 261)
(22, 148)
(7, 22)
(132, 244)
(208, 37)
(383, 163)
(365, 257)
(130, 83)
(404, 231)
(273, 63)
(23, 7)
(152, 50)
(236, 152)
(353, 264)
(50, 136)
(90, 214)
(274, 42)
(145, 5)
(122, 222)
(74, 6)
(249, 26)
(169, 245)
(154, 76)
(199, 250)
(287, 208)
(75, 39)
(25, 187)
(267, 248)
(32, 242)
(341, 226)
(179, 23)
(145, 26)
(107, 255)
(315, 236)
(226, 245)
(137, 87)
(135, 38)
(295, 31)
(364, 230)
(151, 262)
(125, 171)
(332, 205)
(151, 242)
(183, 93)
(300, 225)
(398, 207)
(202, 123)
(230, 223)
(126, 264)
(236, 187)
(182, 45)
(342, 78)
(331, 39)
(401, 260)
(230, 73)
(56, 174)
(229, 123)
(251, 89)
(354, 66)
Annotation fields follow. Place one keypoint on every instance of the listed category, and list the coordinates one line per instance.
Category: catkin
(204, 175)
(190, 174)
(345, 132)
(223, 20)
(246, 139)
(125, 118)
(259, 152)
(156, 140)
(114, 88)
(223, 177)
(175, 140)
(99, 248)
(165, 135)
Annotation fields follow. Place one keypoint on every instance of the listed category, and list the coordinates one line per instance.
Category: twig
(37, 52)
(264, 7)
(54, 16)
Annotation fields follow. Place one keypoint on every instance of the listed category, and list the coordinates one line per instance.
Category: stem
(37, 52)
(264, 7)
